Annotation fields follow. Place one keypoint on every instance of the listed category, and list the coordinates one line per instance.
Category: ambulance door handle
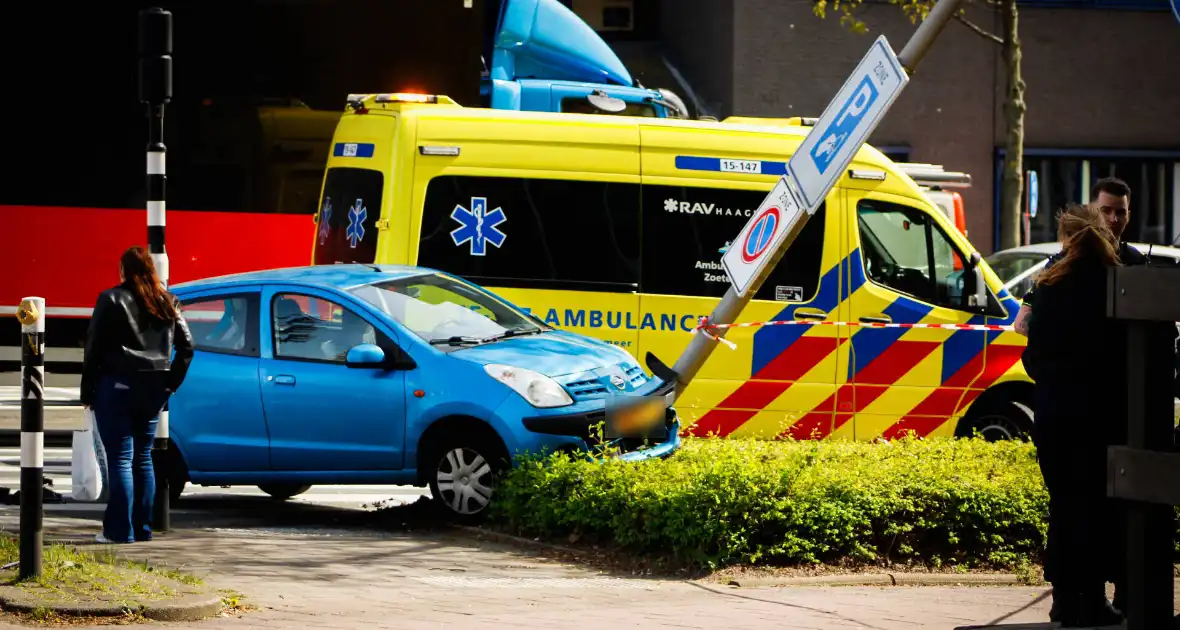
(876, 319)
(812, 315)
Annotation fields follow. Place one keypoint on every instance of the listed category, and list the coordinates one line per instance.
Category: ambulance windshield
(349, 209)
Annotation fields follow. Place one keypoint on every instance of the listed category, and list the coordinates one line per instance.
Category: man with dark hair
(1112, 196)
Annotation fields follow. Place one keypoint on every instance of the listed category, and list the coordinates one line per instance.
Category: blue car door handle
(283, 379)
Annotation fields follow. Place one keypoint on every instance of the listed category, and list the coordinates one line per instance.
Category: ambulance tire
(997, 420)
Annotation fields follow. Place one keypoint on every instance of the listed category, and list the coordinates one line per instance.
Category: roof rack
(934, 175)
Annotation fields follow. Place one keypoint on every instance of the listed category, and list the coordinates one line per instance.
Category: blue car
(355, 374)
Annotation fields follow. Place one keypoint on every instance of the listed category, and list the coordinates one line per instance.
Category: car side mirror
(979, 293)
(366, 355)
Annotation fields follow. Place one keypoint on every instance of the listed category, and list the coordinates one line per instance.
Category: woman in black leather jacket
(128, 373)
(1075, 356)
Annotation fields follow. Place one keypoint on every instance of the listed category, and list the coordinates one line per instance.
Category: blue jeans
(127, 409)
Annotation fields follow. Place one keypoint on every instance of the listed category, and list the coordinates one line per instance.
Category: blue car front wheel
(463, 476)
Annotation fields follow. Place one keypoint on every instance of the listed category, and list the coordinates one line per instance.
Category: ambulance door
(779, 378)
(907, 270)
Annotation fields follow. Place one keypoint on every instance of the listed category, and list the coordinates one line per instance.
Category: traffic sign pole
(811, 173)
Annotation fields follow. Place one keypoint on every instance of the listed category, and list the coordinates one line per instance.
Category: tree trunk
(1012, 186)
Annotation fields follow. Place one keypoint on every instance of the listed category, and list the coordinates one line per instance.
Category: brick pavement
(303, 577)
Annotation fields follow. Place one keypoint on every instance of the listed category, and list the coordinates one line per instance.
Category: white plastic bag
(86, 477)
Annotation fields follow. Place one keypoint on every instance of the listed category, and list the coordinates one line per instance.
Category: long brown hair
(139, 270)
(1084, 234)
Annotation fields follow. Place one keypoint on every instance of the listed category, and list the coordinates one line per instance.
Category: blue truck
(547, 59)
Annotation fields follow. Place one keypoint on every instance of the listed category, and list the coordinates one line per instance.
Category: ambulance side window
(533, 233)
(346, 231)
(905, 250)
(687, 229)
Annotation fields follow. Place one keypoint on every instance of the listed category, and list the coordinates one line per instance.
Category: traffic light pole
(155, 91)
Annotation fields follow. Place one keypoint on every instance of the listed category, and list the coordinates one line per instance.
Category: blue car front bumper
(659, 451)
(583, 426)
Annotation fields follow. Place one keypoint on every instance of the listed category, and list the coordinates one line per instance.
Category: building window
(1133, 5)
(1066, 175)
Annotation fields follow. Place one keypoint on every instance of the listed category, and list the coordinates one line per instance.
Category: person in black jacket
(1112, 198)
(128, 373)
(1074, 355)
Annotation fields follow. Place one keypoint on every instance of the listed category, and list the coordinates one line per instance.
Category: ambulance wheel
(283, 491)
(999, 420)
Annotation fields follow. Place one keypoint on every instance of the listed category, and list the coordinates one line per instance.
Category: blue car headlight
(539, 390)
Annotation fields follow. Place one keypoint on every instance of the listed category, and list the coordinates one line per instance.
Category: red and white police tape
(705, 328)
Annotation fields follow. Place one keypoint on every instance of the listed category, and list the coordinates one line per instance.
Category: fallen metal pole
(701, 346)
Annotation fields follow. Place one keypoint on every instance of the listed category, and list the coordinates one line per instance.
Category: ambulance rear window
(349, 209)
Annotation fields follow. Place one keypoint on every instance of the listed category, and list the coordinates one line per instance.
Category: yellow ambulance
(614, 227)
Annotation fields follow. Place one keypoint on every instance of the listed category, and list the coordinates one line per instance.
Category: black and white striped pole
(32, 433)
(155, 90)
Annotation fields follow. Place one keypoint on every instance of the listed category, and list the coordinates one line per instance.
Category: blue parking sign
(846, 123)
(850, 115)
(1034, 190)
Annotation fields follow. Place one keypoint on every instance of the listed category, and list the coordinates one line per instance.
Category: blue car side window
(223, 324)
(314, 329)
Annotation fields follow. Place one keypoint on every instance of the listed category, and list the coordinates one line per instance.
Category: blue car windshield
(442, 310)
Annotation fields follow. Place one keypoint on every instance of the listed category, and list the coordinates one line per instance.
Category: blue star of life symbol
(356, 219)
(478, 226)
(325, 217)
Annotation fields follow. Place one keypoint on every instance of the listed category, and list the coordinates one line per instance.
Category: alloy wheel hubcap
(465, 481)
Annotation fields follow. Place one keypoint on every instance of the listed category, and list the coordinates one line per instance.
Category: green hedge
(720, 502)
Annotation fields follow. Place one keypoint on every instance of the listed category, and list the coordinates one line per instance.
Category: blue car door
(323, 415)
(216, 416)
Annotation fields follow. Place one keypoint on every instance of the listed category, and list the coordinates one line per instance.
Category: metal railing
(1146, 471)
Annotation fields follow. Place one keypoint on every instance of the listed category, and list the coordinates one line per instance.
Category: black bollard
(31, 314)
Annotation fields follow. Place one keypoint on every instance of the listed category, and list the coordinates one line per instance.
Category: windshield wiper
(516, 332)
(460, 340)
(456, 341)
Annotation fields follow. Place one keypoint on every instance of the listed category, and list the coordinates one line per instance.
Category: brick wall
(698, 36)
(1096, 79)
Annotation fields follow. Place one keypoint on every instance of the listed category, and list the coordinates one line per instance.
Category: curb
(847, 579)
(880, 579)
(501, 537)
(188, 608)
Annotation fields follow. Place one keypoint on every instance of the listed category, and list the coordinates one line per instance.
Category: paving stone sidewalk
(346, 578)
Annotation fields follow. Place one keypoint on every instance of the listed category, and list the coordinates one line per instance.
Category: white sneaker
(103, 540)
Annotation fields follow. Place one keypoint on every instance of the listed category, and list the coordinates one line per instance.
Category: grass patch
(78, 577)
(942, 504)
(234, 602)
